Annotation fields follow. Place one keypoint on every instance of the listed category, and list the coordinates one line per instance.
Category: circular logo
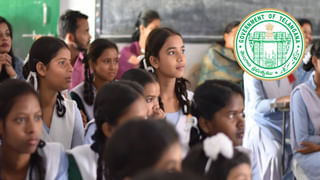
(269, 44)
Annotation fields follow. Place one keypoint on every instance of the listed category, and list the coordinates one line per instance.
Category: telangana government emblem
(269, 44)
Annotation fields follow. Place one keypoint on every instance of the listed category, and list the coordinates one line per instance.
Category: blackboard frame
(194, 38)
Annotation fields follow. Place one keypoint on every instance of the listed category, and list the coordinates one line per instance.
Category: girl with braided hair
(103, 61)
(23, 155)
(115, 103)
(49, 70)
(165, 58)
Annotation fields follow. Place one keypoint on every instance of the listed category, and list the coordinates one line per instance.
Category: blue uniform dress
(263, 126)
(305, 126)
(183, 124)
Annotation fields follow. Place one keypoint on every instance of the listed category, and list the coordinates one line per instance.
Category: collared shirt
(303, 131)
(78, 71)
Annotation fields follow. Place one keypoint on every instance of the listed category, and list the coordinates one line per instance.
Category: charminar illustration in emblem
(269, 44)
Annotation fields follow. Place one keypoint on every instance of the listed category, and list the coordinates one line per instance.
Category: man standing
(73, 27)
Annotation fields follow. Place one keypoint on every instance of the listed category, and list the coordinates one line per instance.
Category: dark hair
(209, 98)
(156, 175)
(3, 73)
(230, 26)
(143, 78)
(95, 50)
(44, 50)
(315, 51)
(303, 21)
(140, 76)
(68, 22)
(155, 41)
(196, 162)
(228, 29)
(10, 91)
(112, 101)
(144, 18)
(127, 154)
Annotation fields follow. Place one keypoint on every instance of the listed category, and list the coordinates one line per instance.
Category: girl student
(217, 159)
(49, 70)
(151, 90)
(304, 117)
(10, 65)
(218, 106)
(23, 155)
(165, 58)
(129, 58)
(126, 155)
(103, 61)
(115, 103)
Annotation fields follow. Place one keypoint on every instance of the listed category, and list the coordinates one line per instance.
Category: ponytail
(181, 92)
(144, 19)
(88, 83)
(136, 34)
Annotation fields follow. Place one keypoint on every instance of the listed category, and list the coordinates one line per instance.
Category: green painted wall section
(25, 17)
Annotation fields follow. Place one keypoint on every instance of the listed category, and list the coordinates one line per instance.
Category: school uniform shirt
(77, 94)
(83, 160)
(78, 71)
(55, 161)
(183, 124)
(67, 130)
(302, 75)
(89, 132)
(263, 125)
(220, 63)
(125, 55)
(305, 126)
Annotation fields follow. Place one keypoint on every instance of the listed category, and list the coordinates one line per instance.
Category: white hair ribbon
(35, 80)
(146, 67)
(215, 145)
(307, 55)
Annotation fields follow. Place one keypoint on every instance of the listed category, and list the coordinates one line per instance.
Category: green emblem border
(300, 33)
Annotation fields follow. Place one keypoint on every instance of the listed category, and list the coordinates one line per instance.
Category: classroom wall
(194, 51)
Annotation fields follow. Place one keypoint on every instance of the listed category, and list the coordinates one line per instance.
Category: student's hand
(158, 113)
(309, 147)
(283, 99)
(5, 63)
(134, 60)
